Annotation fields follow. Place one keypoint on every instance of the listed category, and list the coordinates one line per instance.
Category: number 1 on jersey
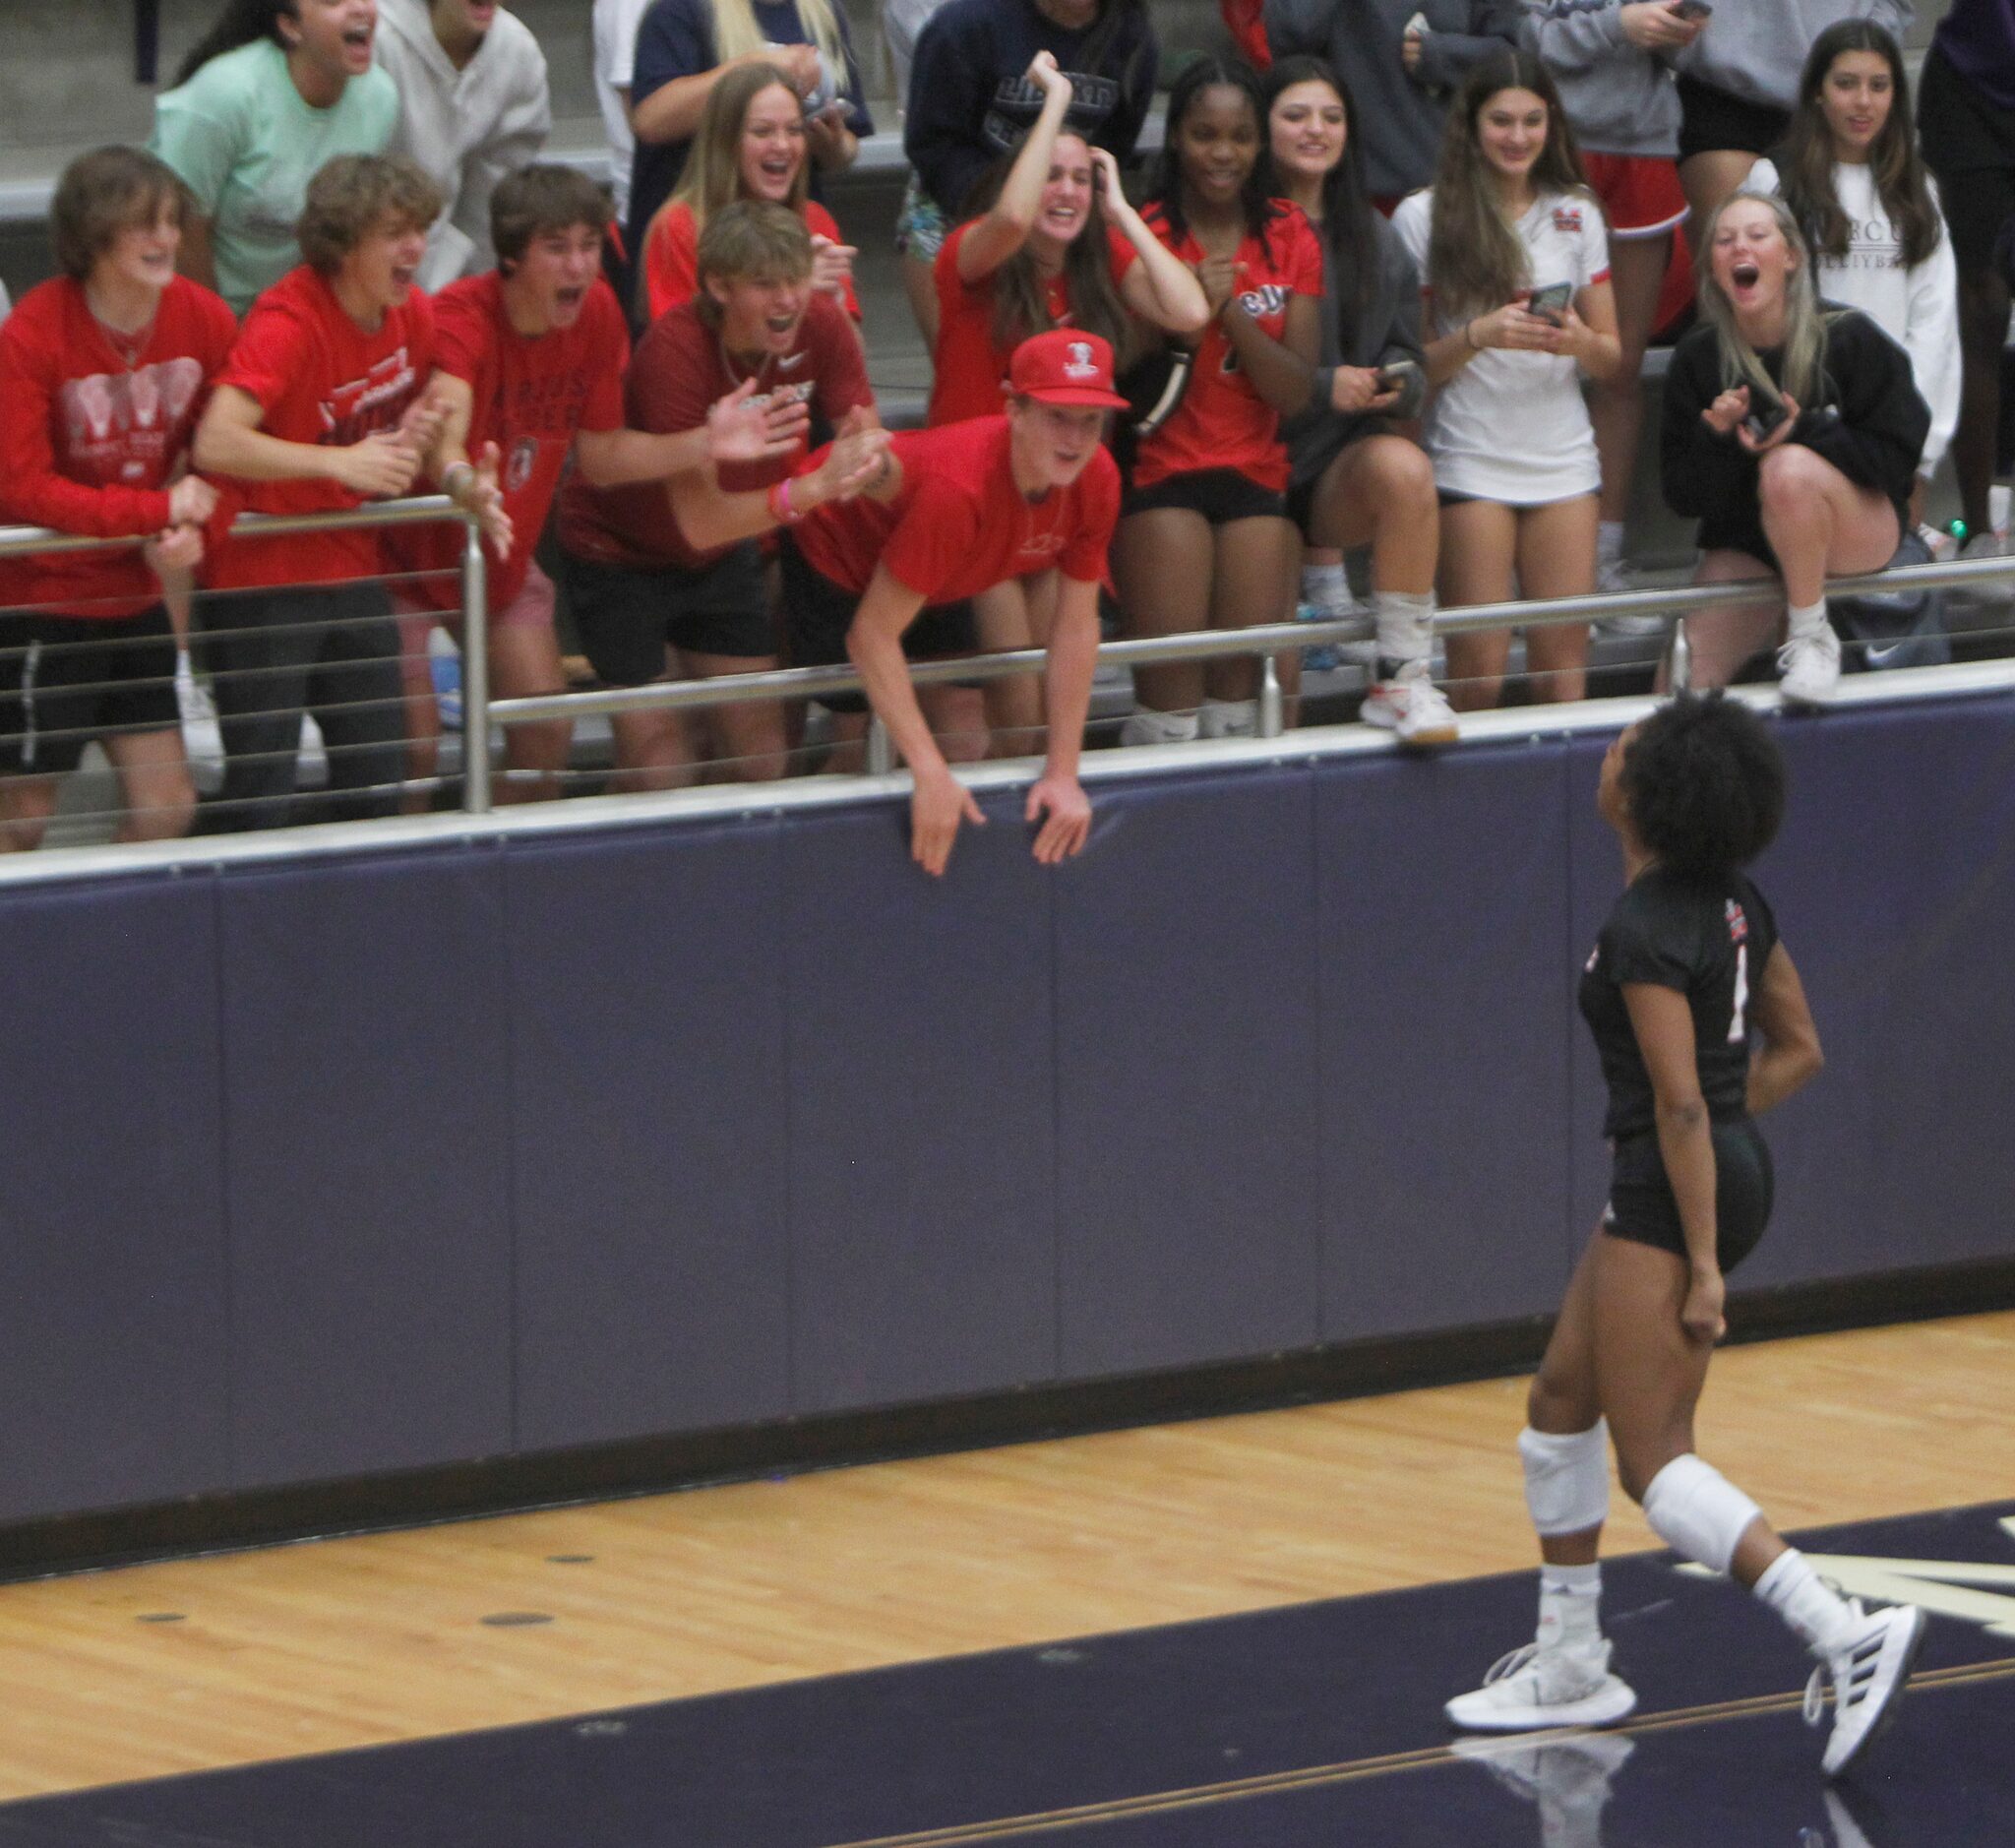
(1739, 1026)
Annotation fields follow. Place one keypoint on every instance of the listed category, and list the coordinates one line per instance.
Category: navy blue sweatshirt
(969, 101)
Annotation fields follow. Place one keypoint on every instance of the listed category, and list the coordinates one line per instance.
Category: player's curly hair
(1704, 784)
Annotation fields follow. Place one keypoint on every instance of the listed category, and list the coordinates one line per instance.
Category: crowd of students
(1390, 293)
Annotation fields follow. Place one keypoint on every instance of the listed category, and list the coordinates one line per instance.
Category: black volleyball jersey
(1710, 942)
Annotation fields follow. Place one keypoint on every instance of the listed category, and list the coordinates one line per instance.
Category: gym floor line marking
(1316, 1776)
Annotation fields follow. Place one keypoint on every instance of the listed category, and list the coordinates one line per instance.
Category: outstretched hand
(1059, 804)
(856, 460)
(482, 497)
(742, 429)
(937, 806)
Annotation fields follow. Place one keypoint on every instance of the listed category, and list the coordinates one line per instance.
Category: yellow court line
(1353, 1770)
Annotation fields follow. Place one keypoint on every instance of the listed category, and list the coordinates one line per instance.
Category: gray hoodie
(1620, 98)
(1399, 115)
(1756, 48)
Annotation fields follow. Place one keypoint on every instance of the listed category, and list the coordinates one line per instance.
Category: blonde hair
(1804, 327)
(736, 34)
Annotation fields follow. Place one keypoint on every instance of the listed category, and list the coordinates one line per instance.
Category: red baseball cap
(1064, 366)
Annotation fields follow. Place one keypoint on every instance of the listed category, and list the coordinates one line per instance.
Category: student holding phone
(1514, 261)
(1792, 435)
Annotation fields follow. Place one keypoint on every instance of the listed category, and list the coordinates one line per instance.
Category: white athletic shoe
(1567, 1684)
(1986, 600)
(1412, 707)
(1808, 667)
(1614, 578)
(1867, 1675)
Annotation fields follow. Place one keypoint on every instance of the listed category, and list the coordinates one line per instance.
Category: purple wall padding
(367, 1163)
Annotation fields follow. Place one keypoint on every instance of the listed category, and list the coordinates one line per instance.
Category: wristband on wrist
(780, 508)
(1469, 334)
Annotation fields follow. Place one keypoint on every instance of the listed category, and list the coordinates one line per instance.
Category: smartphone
(1692, 9)
(1766, 412)
(1393, 378)
(1551, 302)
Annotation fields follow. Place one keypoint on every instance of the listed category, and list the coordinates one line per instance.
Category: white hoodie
(1917, 307)
(468, 128)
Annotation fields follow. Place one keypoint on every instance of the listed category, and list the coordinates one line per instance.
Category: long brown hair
(1898, 171)
(1022, 301)
(712, 174)
(1476, 260)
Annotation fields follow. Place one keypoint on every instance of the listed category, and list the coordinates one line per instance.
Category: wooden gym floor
(232, 1660)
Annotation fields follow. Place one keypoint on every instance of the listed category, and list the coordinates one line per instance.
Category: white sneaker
(1867, 1674)
(1808, 667)
(1614, 578)
(1983, 598)
(1412, 707)
(1569, 1685)
(202, 740)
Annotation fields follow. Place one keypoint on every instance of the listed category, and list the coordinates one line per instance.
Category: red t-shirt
(959, 525)
(970, 366)
(680, 371)
(671, 257)
(533, 393)
(89, 433)
(1222, 422)
(320, 379)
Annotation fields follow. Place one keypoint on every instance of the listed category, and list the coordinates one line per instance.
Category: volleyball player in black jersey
(1687, 968)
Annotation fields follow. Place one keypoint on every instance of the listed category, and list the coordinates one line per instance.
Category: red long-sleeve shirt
(91, 428)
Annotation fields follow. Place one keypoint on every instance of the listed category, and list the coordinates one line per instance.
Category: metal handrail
(1207, 644)
(413, 511)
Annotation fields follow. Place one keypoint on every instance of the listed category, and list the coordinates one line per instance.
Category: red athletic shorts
(1641, 193)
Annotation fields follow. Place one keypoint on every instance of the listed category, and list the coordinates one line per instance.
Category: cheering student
(1028, 498)
(276, 89)
(1356, 479)
(1514, 261)
(103, 373)
(1856, 184)
(644, 592)
(317, 410)
(531, 361)
(1792, 435)
(1204, 539)
(1687, 970)
(749, 145)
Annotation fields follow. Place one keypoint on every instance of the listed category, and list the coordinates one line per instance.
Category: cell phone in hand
(1692, 9)
(1393, 378)
(1551, 302)
(1766, 412)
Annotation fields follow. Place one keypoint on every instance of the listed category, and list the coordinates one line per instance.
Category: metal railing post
(475, 672)
(1272, 710)
(1681, 672)
(881, 748)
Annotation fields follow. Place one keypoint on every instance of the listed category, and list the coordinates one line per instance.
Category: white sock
(1404, 619)
(1806, 618)
(1326, 586)
(1819, 1615)
(1569, 1605)
(1608, 542)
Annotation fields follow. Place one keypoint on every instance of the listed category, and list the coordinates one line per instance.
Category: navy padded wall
(367, 1079)
(1185, 1076)
(649, 1119)
(1444, 1086)
(113, 1267)
(922, 1141)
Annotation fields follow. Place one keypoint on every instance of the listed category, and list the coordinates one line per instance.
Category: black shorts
(818, 613)
(1220, 495)
(1711, 121)
(1969, 145)
(1642, 1207)
(626, 618)
(65, 680)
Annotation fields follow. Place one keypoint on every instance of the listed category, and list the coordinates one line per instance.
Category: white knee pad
(1566, 1478)
(1696, 1510)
